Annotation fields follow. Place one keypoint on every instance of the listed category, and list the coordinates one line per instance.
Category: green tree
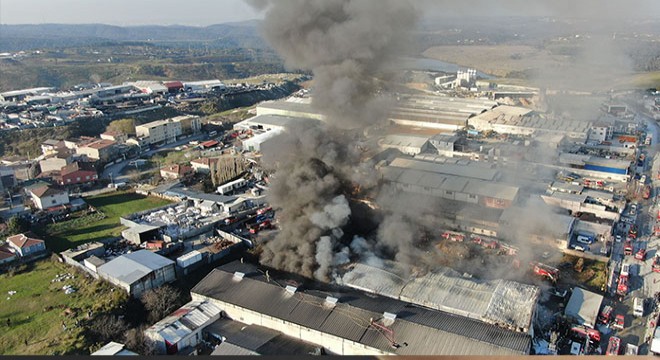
(17, 225)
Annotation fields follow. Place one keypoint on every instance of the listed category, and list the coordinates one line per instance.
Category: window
(78, 178)
(471, 196)
(53, 201)
(68, 180)
(87, 177)
(447, 192)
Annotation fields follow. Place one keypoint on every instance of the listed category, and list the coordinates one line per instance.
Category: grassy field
(94, 227)
(39, 308)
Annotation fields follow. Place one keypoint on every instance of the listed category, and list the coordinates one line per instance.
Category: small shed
(583, 307)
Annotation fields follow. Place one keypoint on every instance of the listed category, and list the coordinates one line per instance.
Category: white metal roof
(111, 349)
(584, 306)
(185, 320)
(132, 267)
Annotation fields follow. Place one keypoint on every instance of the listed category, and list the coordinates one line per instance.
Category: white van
(638, 307)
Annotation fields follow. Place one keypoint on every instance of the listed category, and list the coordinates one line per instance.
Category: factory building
(264, 128)
(594, 166)
(138, 272)
(436, 112)
(462, 183)
(503, 303)
(514, 120)
(407, 144)
(350, 322)
(293, 107)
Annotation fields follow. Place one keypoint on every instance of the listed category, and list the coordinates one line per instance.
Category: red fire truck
(545, 271)
(613, 346)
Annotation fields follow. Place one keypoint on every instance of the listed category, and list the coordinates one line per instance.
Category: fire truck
(640, 254)
(622, 286)
(545, 271)
(585, 332)
(628, 248)
(606, 315)
(613, 346)
(656, 229)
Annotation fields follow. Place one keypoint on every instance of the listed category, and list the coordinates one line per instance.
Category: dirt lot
(497, 60)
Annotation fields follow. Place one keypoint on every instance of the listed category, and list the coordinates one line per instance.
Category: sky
(208, 12)
(125, 12)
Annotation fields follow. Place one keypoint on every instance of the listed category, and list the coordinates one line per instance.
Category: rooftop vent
(291, 289)
(331, 301)
(388, 318)
(238, 276)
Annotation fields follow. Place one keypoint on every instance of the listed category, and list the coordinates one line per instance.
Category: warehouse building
(182, 329)
(293, 107)
(513, 120)
(583, 307)
(594, 166)
(349, 322)
(503, 303)
(470, 184)
(437, 112)
(241, 339)
(407, 144)
(138, 271)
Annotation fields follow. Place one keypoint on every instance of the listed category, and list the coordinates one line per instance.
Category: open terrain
(101, 225)
(40, 307)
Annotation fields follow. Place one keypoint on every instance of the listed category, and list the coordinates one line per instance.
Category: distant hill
(29, 37)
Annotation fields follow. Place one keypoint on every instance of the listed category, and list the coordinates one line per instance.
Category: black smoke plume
(347, 45)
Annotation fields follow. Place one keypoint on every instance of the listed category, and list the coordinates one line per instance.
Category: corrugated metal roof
(132, 267)
(185, 320)
(350, 317)
(228, 349)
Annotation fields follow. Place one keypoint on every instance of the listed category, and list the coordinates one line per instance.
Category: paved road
(113, 172)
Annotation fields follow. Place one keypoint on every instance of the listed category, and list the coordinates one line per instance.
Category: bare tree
(228, 168)
(137, 342)
(160, 302)
(105, 328)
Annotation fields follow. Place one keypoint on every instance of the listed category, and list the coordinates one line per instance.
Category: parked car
(640, 254)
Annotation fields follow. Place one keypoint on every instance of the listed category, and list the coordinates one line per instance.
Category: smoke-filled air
(347, 45)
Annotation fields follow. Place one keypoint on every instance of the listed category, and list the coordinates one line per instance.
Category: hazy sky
(207, 12)
(125, 12)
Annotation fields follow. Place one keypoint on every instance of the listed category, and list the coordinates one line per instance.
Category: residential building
(25, 246)
(167, 131)
(7, 178)
(174, 172)
(113, 349)
(204, 165)
(55, 163)
(45, 197)
(6, 255)
(116, 136)
(183, 328)
(102, 150)
(77, 173)
(51, 146)
(138, 271)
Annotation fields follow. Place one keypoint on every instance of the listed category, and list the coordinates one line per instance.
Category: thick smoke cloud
(347, 45)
